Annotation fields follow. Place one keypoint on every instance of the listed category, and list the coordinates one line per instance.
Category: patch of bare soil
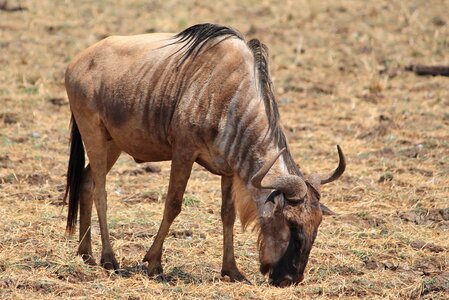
(32, 179)
(438, 283)
(144, 198)
(6, 162)
(421, 245)
(148, 168)
(9, 118)
(422, 216)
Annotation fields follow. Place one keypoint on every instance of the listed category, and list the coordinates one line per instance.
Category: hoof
(154, 268)
(154, 265)
(234, 276)
(109, 262)
(88, 259)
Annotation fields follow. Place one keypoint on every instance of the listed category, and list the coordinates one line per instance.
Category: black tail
(74, 176)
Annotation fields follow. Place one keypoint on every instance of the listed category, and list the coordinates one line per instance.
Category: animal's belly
(142, 145)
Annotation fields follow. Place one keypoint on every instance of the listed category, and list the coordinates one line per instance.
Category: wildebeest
(203, 95)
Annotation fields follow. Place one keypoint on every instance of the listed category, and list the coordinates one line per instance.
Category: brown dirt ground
(338, 70)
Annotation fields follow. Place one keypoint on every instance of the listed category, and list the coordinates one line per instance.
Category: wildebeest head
(289, 221)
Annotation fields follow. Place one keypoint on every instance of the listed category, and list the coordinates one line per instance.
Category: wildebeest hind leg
(85, 245)
(95, 137)
(181, 168)
(86, 201)
(229, 267)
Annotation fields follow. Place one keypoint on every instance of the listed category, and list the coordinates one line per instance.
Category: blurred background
(339, 75)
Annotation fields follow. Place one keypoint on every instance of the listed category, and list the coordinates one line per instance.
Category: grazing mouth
(280, 281)
(287, 281)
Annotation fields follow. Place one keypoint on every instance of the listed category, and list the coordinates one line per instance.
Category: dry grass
(338, 73)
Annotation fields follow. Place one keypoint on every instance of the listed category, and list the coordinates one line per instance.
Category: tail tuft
(74, 176)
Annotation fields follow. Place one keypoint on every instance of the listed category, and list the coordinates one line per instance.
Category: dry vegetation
(338, 69)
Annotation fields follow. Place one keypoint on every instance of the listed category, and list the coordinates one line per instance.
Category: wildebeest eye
(296, 201)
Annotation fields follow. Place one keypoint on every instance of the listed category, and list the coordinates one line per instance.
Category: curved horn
(259, 176)
(339, 170)
(293, 187)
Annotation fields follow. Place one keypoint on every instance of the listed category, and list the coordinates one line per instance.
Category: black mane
(197, 36)
(260, 53)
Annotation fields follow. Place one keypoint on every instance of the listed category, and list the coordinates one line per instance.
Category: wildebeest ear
(273, 204)
(326, 211)
(314, 190)
(314, 181)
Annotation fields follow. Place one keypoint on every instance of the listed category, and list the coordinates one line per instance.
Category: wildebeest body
(203, 95)
(147, 100)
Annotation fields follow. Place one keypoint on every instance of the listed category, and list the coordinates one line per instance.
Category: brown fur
(203, 95)
(244, 203)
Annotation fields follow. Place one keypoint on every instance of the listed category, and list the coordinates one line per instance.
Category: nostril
(285, 283)
(300, 278)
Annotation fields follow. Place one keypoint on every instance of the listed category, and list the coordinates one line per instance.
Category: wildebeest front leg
(181, 168)
(229, 267)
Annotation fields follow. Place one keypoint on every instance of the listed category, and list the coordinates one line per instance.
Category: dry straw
(338, 73)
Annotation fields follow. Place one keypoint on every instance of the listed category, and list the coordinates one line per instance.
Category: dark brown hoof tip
(110, 266)
(154, 271)
(88, 259)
